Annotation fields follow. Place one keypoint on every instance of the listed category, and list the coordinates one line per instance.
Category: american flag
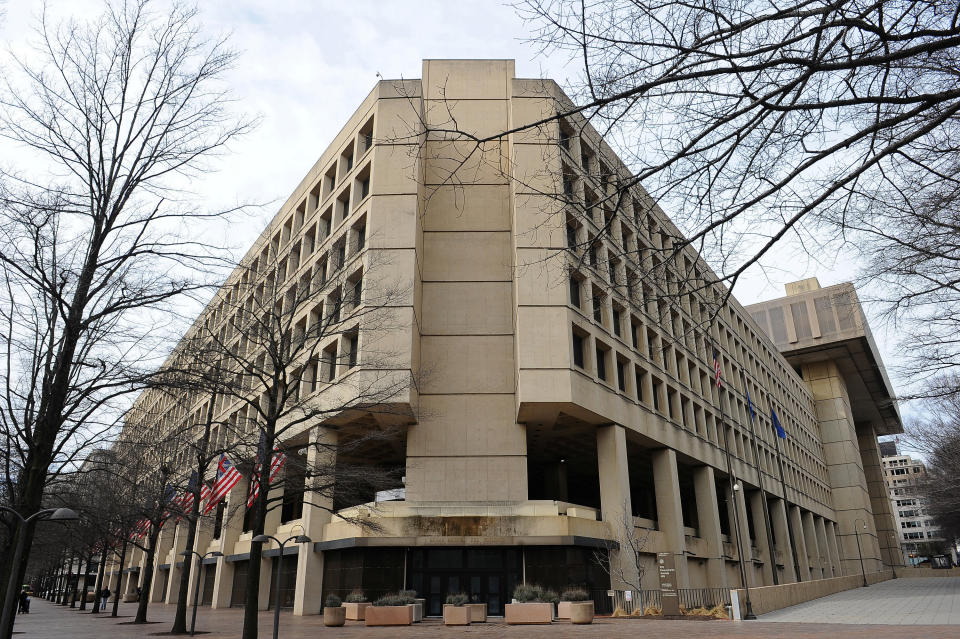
(716, 368)
(279, 459)
(227, 478)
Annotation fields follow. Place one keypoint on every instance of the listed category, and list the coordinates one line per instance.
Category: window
(571, 235)
(340, 250)
(357, 290)
(330, 359)
(634, 334)
(597, 300)
(616, 321)
(360, 235)
(577, 349)
(574, 291)
(621, 375)
(601, 363)
(353, 344)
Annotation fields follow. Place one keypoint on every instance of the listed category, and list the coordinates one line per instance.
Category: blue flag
(753, 413)
(782, 434)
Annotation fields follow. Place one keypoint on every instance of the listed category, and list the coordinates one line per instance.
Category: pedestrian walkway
(894, 602)
(48, 621)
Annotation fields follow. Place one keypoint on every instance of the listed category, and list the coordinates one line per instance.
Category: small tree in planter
(334, 614)
(391, 610)
(356, 606)
(576, 605)
(455, 612)
(534, 605)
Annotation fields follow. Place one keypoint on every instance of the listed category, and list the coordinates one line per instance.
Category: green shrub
(356, 596)
(333, 601)
(394, 599)
(549, 596)
(525, 593)
(410, 594)
(575, 594)
(458, 599)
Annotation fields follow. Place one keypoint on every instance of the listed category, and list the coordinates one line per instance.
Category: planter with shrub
(391, 610)
(575, 605)
(356, 605)
(455, 611)
(334, 614)
(416, 603)
(534, 605)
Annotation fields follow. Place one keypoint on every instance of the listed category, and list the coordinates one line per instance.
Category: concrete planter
(356, 611)
(563, 609)
(389, 615)
(456, 615)
(478, 612)
(581, 612)
(334, 616)
(417, 611)
(528, 613)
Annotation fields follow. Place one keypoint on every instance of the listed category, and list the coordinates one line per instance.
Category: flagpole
(786, 504)
(763, 494)
(733, 488)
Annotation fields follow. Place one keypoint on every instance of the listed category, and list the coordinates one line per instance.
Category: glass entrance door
(485, 575)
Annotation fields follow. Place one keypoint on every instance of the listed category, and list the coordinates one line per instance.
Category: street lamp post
(860, 552)
(298, 539)
(52, 514)
(188, 554)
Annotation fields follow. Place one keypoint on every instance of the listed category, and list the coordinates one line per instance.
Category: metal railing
(636, 602)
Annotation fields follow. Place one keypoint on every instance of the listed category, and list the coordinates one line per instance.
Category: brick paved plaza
(911, 601)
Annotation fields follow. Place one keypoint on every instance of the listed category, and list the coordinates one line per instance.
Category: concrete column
(842, 446)
(666, 482)
(201, 541)
(164, 544)
(778, 517)
(813, 548)
(230, 532)
(762, 543)
(833, 547)
(173, 575)
(321, 455)
(825, 559)
(796, 525)
(708, 515)
(887, 540)
(739, 502)
(615, 506)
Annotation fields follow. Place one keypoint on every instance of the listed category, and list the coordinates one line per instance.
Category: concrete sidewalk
(48, 621)
(894, 602)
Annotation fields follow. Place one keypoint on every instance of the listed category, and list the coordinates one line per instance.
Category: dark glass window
(601, 364)
(575, 292)
(578, 350)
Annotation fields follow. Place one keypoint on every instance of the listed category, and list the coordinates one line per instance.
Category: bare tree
(626, 564)
(119, 112)
(288, 340)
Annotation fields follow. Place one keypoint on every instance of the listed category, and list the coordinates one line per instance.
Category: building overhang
(428, 541)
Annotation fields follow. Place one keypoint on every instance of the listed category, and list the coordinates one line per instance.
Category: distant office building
(571, 400)
(918, 532)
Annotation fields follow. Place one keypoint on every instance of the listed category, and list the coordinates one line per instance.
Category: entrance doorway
(486, 575)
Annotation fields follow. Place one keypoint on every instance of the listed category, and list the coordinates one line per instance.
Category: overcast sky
(306, 66)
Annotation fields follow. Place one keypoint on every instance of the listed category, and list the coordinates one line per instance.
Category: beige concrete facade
(561, 398)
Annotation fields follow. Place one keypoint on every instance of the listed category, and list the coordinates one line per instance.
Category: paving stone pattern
(49, 621)
(895, 602)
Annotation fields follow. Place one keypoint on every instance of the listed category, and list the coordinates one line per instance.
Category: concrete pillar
(230, 532)
(666, 480)
(796, 525)
(320, 455)
(833, 547)
(842, 454)
(739, 502)
(708, 515)
(615, 506)
(778, 519)
(813, 548)
(762, 543)
(887, 539)
(164, 544)
(174, 558)
(824, 549)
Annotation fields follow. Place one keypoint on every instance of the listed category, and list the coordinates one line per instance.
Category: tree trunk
(180, 619)
(99, 583)
(147, 578)
(123, 557)
(251, 607)
(86, 575)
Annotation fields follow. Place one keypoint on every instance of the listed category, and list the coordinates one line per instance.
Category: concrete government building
(560, 399)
